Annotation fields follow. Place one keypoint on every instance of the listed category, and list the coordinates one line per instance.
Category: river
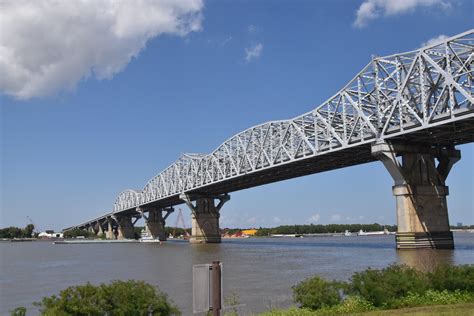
(259, 271)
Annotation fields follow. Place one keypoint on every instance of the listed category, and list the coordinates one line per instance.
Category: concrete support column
(100, 230)
(155, 221)
(109, 234)
(125, 227)
(205, 217)
(90, 229)
(420, 192)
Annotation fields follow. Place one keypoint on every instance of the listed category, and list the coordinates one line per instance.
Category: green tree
(382, 287)
(78, 232)
(19, 311)
(315, 293)
(119, 298)
(15, 232)
(28, 231)
(451, 278)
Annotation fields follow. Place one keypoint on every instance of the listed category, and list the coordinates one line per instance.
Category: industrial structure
(408, 110)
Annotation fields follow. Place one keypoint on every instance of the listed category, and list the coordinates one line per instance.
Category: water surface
(260, 271)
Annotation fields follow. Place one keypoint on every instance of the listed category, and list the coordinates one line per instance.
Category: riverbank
(443, 310)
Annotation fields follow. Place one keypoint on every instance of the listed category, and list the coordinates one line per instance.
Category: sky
(99, 96)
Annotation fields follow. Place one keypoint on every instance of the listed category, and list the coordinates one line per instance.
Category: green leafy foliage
(117, 298)
(452, 278)
(177, 231)
(380, 287)
(19, 311)
(315, 293)
(15, 232)
(431, 297)
(393, 287)
(78, 232)
(352, 304)
(232, 301)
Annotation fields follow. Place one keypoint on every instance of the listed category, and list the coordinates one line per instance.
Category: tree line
(323, 229)
(16, 232)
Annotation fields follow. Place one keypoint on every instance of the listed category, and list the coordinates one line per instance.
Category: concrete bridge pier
(90, 229)
(155, 221)
(110, 234)
(420, 191)
(125, 227)
(205, 217)
(100, 230)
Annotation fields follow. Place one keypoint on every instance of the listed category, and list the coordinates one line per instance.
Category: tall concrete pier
(155, 221)
(420, 191)
(109, 233)
(205, 217)
(125, 227)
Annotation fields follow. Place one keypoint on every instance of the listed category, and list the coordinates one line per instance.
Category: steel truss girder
(391, 97)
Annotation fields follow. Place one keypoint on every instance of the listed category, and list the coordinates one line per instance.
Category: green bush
(19, 311)
(293, 311)
(452, 278)
(117, 298)
(78, 232)
(432, 297)
(315, 293)
(352, 304)
(381, 287)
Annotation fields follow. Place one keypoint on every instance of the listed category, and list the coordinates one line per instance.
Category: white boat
(145, 237)
(376, 233)
(347, 233)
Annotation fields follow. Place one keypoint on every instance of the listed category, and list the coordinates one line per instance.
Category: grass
(443, 310)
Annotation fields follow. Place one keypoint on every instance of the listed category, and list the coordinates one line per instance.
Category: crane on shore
(35, 229)
(180, 220)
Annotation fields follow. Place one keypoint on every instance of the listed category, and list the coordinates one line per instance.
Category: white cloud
(226, 220)
(252, 28)
(315, 218)
(434, 40)
(372, 9)
(226, 41)
(276, 219)
(47, 45)
(253, 52)
(251, 220)
(335, 217)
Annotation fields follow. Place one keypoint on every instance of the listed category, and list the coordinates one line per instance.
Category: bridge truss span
(423, 96)
(392, 96)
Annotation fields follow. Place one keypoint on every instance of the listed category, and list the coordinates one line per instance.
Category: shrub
(19, 311)
(452, 278)
(293, 311)
(352, 304)
(380, 287)
(116, 298)
(432, 297)
(315, 293)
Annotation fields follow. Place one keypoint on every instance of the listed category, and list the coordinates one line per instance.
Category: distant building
(50, 234)
(249, 232)
(459, 224)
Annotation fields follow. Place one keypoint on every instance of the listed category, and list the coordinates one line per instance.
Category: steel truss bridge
(424, 96)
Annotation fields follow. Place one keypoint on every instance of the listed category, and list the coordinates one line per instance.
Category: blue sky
(116, 110)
